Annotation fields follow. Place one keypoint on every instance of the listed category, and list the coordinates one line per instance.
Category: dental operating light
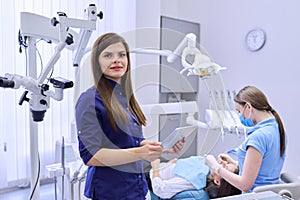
(202, 65)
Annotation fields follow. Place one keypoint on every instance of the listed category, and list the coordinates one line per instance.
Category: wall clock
(255, 39)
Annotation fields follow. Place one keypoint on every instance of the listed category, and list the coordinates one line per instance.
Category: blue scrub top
(125, 181)
(264, 137)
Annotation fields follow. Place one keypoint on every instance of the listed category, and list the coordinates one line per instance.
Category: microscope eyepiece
(5, 83)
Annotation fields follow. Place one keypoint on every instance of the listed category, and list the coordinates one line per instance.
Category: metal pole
(33, 126)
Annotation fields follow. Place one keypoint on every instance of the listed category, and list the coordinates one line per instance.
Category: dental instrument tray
(178, 134)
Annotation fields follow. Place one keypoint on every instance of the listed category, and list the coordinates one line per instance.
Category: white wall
(274, 69)
(147, 36)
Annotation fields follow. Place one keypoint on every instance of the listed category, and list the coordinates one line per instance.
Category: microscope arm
(54, 59)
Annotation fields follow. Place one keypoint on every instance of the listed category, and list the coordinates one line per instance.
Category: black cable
(50, 75)
(22, 41)
(37, 178)
(55, 187)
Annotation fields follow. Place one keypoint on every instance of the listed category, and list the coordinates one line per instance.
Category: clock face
(255, 39)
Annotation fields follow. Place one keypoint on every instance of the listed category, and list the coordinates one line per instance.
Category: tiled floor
(47, 192)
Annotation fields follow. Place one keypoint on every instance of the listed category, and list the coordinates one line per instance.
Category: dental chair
(290, 187)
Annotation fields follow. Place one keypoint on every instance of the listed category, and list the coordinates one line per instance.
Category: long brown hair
(259, 101)
(223, 190)
(116, 113)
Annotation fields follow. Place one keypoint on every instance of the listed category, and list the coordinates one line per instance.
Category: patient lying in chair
(188, 178)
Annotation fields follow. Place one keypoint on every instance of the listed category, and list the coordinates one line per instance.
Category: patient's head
(217, 178)
(218, 187)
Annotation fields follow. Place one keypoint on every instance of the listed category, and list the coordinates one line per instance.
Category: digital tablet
(178, 134)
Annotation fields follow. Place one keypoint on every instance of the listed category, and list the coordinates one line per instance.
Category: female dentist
(109, 123)
(262, 154)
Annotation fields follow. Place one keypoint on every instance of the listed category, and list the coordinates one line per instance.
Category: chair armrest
(289, 178)
(291, 190)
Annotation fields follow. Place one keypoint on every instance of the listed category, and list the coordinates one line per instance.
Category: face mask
(246, 122)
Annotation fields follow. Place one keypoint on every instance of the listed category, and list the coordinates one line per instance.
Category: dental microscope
(62, 31)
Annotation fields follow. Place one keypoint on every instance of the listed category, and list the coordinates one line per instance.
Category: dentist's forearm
(113, 157)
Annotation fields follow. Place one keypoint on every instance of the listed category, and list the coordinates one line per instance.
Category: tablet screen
(176, 135)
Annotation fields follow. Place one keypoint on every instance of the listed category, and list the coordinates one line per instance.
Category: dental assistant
(262, 154)
(109, 123)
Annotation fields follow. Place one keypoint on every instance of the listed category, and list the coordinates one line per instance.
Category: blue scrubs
(265, 138)
(125, 181)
